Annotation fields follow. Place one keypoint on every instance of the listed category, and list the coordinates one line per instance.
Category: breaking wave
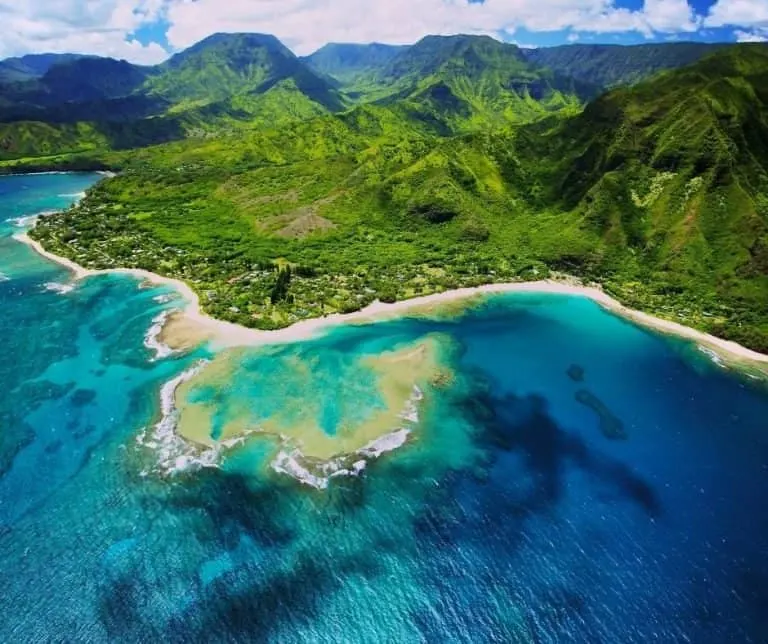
(317, 473)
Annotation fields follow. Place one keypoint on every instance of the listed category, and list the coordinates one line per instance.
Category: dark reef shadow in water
(284, 600)
(83, 397)
(253, 599)
(229, 506)
(524, 425)
(489, 508)
(610, 426)
(576, 373)
(521, 428)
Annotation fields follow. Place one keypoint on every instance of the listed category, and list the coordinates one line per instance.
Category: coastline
(106, 173)
(224, 334)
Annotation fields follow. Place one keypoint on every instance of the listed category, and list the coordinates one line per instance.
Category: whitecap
(712, 356)
(174, 454)
(61, 289)
(386, 443)
(411, 410)
(288, 462)
(24, 222)
(4, 277)
(152, 337)
(317, 473)
(28, 221)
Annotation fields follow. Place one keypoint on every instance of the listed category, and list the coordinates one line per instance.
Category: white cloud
(740, 13)
(108, 27)
(103, 27)
(755, 35)
(670, 16)
(308, 24)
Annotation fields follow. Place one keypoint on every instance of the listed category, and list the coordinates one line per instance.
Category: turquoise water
(579, 479)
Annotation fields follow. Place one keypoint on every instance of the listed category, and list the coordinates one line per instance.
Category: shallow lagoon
(513, 511)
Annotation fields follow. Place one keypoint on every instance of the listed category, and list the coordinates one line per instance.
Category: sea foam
(61, 289)
(152, 337)
(174, 454)
(24, 222)
(165, 298)
(28, 221)
(713, 356)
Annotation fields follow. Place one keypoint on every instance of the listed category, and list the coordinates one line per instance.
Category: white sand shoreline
(227, 334)
(105, 173)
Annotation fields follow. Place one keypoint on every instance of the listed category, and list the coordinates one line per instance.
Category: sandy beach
(194, 326)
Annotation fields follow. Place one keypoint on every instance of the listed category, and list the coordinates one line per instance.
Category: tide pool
(564, 475)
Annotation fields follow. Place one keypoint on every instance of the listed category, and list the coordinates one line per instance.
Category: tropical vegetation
(283, 188)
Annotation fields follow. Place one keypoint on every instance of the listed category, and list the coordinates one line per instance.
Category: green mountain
(462, 162)
(233, 81)
(460, 83)
(223, 82)
(607, 66)
(224, 66)
(80, 90)
(89, 79)
(350, 63)
(30, 67)
(78, 80)
(673, 176)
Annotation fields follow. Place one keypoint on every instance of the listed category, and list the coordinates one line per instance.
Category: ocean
(530, 468)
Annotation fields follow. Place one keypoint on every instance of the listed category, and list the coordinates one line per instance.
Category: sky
(148, 31)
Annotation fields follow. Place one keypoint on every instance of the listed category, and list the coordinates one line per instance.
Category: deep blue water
(511, 515)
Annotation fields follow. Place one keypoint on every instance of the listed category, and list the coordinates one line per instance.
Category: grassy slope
(31, 138)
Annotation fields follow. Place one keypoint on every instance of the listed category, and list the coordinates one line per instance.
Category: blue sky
(148, 31)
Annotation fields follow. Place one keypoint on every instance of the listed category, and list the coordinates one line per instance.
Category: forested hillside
(608, 66)
(349, 63)
(673, 176)
(246, 81)
(454, 162)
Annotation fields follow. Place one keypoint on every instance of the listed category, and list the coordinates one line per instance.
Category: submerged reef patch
(324, 413)
(576, 373)
(610, 425)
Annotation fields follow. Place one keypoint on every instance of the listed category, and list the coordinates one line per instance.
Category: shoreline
(106, 173)
(224, 334)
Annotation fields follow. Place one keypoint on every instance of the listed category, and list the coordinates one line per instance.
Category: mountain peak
(469, 53)
(225, 65)
(237, 45)
(250, 38)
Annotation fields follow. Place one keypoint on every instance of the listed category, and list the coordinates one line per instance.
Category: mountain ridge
(234, 71)
(654, 190)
